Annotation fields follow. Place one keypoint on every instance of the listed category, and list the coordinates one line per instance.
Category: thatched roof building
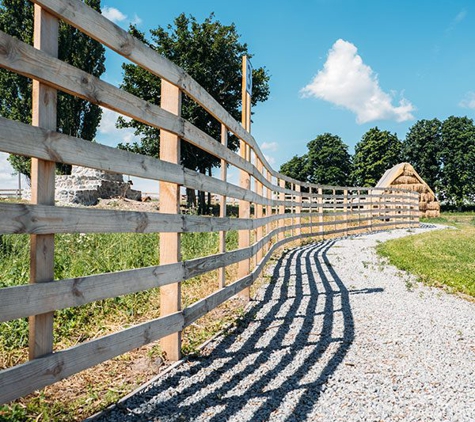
(404, 176)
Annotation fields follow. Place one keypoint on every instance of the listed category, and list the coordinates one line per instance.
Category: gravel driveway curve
(336, 336)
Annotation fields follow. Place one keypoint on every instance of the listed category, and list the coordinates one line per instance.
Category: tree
(296, 168)
(374, 154)
(210, 53)
(329, 162)
(457, 182)
(76, 117)
(422, 147)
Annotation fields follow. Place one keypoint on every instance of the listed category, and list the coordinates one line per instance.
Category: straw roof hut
(404, 176)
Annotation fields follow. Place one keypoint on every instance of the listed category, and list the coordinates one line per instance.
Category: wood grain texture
(44, 114)
(23, 379)
(170, 245)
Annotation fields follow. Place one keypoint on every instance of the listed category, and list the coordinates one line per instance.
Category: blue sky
(338, 66)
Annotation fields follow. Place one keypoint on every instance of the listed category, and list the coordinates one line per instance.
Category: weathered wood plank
(25, 60)
(53, 146)
(170, 245)
(46, 219)
(44, 114)
(61, 294)
(23, 379)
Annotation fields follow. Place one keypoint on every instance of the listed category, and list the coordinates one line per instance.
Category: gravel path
(336, 336)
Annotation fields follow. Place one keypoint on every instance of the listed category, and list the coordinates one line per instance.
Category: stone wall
(86, 186)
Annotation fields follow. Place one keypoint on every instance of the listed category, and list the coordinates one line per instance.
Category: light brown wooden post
(370, 197)
(269, 208)
(334, 211)
(259, 207)
(222, 208)
(244, 267)
(299, 210)
(282, 210)
(170, 295)
(42, 184)
(320, 212)
(345, 210)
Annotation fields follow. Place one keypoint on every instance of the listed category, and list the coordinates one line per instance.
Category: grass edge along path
(441, 258)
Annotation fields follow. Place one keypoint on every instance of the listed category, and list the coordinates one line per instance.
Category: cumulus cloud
(109, 134)
(349, 83)
(7, 179)
(269, 146)
(468, 101)
(113, 14)
(116, 16)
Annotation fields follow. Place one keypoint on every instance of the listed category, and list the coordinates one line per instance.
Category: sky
(337, 66)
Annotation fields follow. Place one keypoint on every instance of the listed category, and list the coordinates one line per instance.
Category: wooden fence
(281, 209)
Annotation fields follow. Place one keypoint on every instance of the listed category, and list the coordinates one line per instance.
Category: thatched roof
(399, 170)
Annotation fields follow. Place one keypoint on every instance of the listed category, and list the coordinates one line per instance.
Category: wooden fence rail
(274, 209)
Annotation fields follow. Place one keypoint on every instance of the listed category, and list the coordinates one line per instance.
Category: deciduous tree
(211, 53)
(329, 162)
(76, 117)
(422, 148)
(376, 152)
(457, 182)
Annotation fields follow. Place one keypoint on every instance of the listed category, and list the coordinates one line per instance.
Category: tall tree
(457, 182)
(329, 162)
(210, 53)
(376, 152)
(76, 117)
(296, 168)
(422, 148)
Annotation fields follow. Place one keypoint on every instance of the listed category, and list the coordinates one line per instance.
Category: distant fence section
(281, 209)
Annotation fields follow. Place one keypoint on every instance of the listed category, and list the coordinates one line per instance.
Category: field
(79, 254)
(442, 258)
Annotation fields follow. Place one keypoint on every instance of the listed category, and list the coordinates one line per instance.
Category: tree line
(442, 152)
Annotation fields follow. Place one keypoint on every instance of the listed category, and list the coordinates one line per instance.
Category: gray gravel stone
(338, 335)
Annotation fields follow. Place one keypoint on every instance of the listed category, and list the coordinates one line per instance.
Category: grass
(84, 254)
(443, 258)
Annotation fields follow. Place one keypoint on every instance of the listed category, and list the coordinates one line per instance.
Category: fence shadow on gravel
(307, 309)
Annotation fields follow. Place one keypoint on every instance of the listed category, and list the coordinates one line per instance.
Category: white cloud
(270, 160)
(108, 134)
(468, 101)
(116, 16)
(455, 21)
(349, 83)
(113, 14)
(136, 20)
(269, 146)
(7, 179)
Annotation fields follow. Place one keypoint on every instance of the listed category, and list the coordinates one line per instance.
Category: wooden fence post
(281, 211)
(345, 210)
(244, 266)
(269, 208)
(170, 295)
(42, 184)
(259, 208)
(320, 212)
(222, 208)
(299, 209)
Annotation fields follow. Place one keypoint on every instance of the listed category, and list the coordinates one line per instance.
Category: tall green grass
(78, 255)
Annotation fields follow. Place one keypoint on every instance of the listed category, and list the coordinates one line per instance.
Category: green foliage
(209, 52)
(296, 168)
(76, 117)
(457, 155)
(376, 152)
(329, 162)
(422, 147)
